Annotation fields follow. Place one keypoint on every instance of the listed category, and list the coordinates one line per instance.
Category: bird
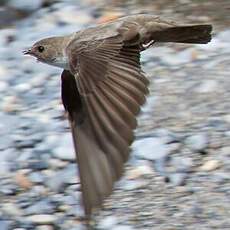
(103, 88)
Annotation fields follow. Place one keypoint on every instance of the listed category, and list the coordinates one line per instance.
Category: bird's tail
(198, 34)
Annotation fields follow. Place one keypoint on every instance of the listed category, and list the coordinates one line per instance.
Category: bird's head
(50, 51)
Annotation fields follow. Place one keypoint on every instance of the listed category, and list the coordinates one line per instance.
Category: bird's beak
(27, 52)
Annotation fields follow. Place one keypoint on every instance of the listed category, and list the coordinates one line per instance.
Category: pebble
(41, 207)
(10, 104)
(23, 181)
(108, 222)
(198, 142)
(26, 5)
(177, 179)
(64, 148)
(3, 86)
(36, 177)
(122, 227)
(42, 219)
(45, 227)
(38, 165)
(150, 148)
(11, 209)
(62, 178)
(139, 171)
(210, 165)
(5, 225)
(135, 184)
(208, 86)
(22, 88)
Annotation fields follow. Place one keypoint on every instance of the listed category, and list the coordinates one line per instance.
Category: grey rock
(76, 210)
(11, 209)
(42, 219)
(26, 5)
(9, 189)
(38, 165)
(208, 86)
(150, 148)
(62, 178)
(5, 224)
(177, 179)
(64, 149)
(36, 177)
(40, 207)
(3, 86)
(108, 222)
(135, 184)
(122, 227)
(197, 142)
(45, 227)
(22, 88)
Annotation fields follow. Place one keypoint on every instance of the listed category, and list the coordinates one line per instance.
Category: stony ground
(178, 173)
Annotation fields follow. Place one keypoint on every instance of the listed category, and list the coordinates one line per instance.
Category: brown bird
(103, 88)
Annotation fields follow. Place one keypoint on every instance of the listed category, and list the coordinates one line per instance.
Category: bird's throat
(61, 62)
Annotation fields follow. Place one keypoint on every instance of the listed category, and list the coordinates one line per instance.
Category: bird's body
(103, 88)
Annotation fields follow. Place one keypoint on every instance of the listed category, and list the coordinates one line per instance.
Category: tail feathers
(200, 34)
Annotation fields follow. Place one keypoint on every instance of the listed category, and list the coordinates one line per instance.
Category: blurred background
(178, 173)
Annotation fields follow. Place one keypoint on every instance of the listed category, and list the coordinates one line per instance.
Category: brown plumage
(103, 88)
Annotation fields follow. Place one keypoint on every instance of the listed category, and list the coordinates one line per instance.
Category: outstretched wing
(103, 95)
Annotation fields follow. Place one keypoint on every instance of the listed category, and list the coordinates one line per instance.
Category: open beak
(25, 52)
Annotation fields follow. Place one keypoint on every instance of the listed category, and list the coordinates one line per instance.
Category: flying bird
(103, 88)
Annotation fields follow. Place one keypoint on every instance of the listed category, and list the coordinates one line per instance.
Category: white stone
(198, 142)
(210, 165)
(42, 219)
(11, 209)
(25, 4)
(122, 227)
(150, 148)
(108, 222)
(3, 86)
(208, 86)
(64, 147)
(23, 87)
(139, 171)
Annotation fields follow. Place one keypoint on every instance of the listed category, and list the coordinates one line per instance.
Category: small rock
(198, 142)
(210, 165)
(9, 189)
(42, 219)
(150, 148)
(64, 149)
(139, 171)
(208, 86)
(62, 178)
(10, 104)
(177, 179)
(36, 177)
(40, 207)
(23, 181)
(38, 165)
(45, 227)
(5, 225)
(25, 5)
(57, 163)
(11, 209)
(122, 227)
(108, 222)
(135, 184)
(3, 86)
(22, 88)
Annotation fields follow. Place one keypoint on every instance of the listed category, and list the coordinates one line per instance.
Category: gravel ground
(178, 173)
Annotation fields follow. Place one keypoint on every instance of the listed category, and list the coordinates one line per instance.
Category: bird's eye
(41, 49)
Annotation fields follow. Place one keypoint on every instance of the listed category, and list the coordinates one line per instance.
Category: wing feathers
(112, 88)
